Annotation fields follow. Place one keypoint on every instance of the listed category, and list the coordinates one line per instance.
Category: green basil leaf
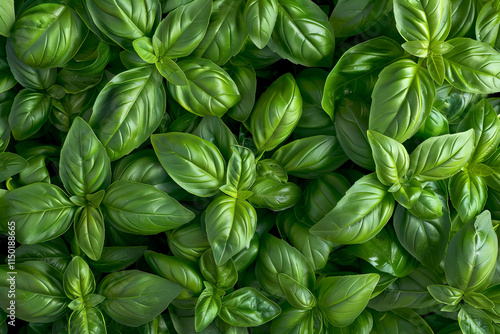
(207, 307)
(41, 211)
(462, 18)
(408, 193)
(89, 231)
(214, 130)
(471, 65)
(296, 294)
(271, 169)
(260, 18)
(391, 159)
(222, 276)
(309, 42)
(124, 21)
(274, 195)
(128, 109)
(210, 91)
(29, 113)
(144, 48)
(6, 100)
(343, 298)
(399, 320)
(478, 300)
(471, 255)
(472, 320)
(8, 17)
(39, 292)
(351, 125)
(446, 294)
(172, 72)
(54, 252)
(134, 298)
(247, 307)
(182, 30)
(48, 35)
(246, 81)
(468, 194)
(74, 83)
(83, 170)
(276, 257)
(484, 120)
(296, 321)
(11, 164)
(188, 242)
(230, 224)
(226, 32)
(35, 172)
(352, 223)
(78, 280)
(402, 100)
(192, 162)
(358, 69)
(155, 326)
(87, 320)
(423, 20)
(116, 258)
(426, 240)
(436, 67)
(407, 292)
(487, 24)
(441, 157)
(276, 113)
(146, 210)
(436, 124)
(311, 157)
(351, 18)
(417, 48)
(92, 57)
(385, 253)
(428, 205)
(178, 271)
(241, 169)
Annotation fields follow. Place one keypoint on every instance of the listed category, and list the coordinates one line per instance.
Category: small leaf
(78, 279)
(144, 48)
(11, 164)
(171, 71)
(446, 294)
(297, 295)
(417, 48)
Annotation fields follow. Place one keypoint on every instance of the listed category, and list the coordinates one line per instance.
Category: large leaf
(343, 298)
(441, 157)
(142, 209)
(84, 169)
(226, 32)
(276, 257)
(472, 254)
(471, 66)
(276, 113)
(128, 109)
(182, 30)
(351, 222)
(230, 224)
(48, 35)
(402, 100)
(260, 18)
(248, 307)
(41, 211)
(134, 297)
(358, 68)
(210, 91)
(39, 292)
(194, 163)
(29, 113)
(311, 157)
(302, 34)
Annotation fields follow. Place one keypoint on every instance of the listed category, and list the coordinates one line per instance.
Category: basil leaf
(222, 276)
(391, 159)
(134, 298)
(358, 69)
(445, 294)
(54, 252)
(87, 320)
(472, 320)
(468, 194)
(260, 18)
(296, 294)
(11, 164)
(248, 307)
(78, 279)
(276, 257)
(428, 163)
(89, 231)
(207, 307)
(470, 66)
(478, 300)
(308, 42)
(462, 18)
(428, 206)
(241, 170)
(212, 129)
(246, 81)
(39, 292)
(182, 30)
(436, 124)
(193, 163)
(343, 298)
(471, 255)
(408, 194)
(8, 17)
(402, 100)
(311, 157)
(230, 226)
(188, 242)
(127, 110)
(29, 113)
(41, 211)
(116, 258)
(171, 71)
(487, 24)
(210, 91)
(296, 321)
(404, 320)
(352, 223)
(276, 113)
(274, 195)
